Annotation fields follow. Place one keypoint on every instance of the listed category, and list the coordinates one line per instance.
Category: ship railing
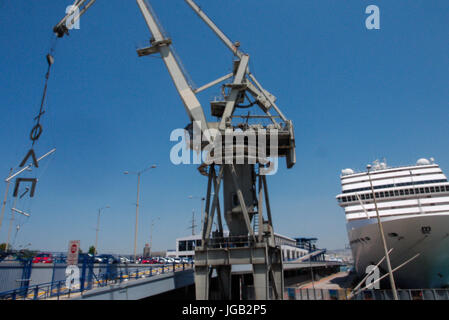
(411, 166)
(293, 293)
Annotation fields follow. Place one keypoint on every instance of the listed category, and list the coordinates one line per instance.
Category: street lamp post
(381, 230)
(137, 203)
(98, 228)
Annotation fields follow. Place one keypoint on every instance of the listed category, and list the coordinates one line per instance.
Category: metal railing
(343, 294)
(230, 242)
(404, 294)
(113, 274)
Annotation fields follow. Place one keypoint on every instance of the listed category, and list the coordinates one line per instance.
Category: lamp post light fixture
(98, 227)
(381, 230)
(138, 173)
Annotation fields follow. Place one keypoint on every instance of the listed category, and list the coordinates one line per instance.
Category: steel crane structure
(237, 162)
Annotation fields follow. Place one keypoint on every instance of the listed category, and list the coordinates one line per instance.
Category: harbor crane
(237, 163)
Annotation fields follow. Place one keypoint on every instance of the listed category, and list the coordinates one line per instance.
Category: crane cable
(37, 129)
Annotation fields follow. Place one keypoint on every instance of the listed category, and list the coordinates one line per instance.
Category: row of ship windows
(366, 239)
(395, 193)
(395, 185)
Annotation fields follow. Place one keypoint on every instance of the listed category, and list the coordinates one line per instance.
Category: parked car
(162, 260)
(124, 260)
(9, 257)
(3, 256)
(149, 261)
(186, 260)
(137, 261)
(82, 257)
(108, 258)
(43, 258)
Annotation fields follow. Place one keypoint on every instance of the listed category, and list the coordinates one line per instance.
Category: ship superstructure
(413, 204)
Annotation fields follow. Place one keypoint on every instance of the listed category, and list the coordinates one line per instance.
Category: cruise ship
(413, 205)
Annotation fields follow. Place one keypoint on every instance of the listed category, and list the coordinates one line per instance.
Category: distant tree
(92, 250)
(3, 247)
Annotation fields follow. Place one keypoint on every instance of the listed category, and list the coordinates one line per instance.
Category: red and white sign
(72, 254)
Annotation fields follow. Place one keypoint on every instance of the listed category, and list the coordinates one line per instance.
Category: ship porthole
(393, 234)
(426, 229)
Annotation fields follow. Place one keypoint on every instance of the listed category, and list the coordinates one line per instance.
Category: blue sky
(354, 95)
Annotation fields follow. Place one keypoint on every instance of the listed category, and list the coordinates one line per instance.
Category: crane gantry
(235, 168)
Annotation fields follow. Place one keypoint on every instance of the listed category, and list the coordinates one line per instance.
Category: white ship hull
(413, 204)
(405, 234)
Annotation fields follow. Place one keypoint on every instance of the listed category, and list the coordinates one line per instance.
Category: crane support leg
(224, 279)
(261, 279)
(202, 281)
(219, 252)
(277, 274)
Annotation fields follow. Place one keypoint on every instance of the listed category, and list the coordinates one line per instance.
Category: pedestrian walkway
(340, 280)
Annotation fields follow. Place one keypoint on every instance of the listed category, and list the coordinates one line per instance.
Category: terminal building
(291, 248)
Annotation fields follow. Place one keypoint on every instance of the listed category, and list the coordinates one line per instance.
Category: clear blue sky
(353, 94)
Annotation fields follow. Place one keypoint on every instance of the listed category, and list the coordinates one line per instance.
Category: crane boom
(78, 8)
(160, 43)
(264, 98)
(233, 47)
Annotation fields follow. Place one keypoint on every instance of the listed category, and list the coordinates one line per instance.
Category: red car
(43, 258)
(148, 261)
